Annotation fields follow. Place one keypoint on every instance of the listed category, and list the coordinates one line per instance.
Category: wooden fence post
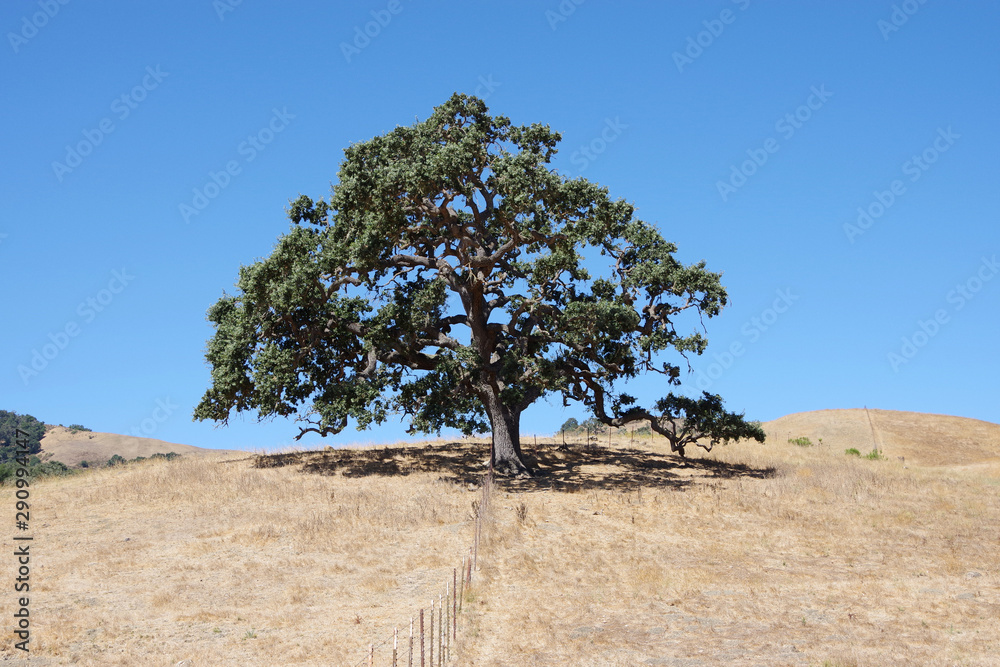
(371, 655)
(432, 634)
(422, 638)
(461, 592)
(454, 601)
(409, 661)
(395, 645)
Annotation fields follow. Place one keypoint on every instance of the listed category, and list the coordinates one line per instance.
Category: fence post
(371, 655)
(432, 634)
(409, 661)
(395, 645)
(461, 593)
(475, 542)
(422, 638)
(454, 608)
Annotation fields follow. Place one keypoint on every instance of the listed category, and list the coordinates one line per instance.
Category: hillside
(69, 447)
(922, 439)
(617, 555)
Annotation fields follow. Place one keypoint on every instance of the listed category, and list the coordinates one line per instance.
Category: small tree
(116, 460)
(570, 424)
(445, 281)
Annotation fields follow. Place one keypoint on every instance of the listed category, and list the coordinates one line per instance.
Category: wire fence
(433, 631)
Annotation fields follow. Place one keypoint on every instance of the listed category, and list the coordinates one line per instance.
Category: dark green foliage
(84, 464)
(77, 428)
(444, 281)
(117, 460)
(570, 424)
(56, 468)
(686, 421)
(9, 423)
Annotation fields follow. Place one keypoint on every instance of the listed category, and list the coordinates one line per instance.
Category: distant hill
(72, 447)
(924, 439)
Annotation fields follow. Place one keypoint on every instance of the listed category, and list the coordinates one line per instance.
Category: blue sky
(836, 161)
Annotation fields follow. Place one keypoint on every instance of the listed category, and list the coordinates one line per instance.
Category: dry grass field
(753, 554)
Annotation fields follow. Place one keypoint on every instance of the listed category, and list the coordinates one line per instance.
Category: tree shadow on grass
(571, 467)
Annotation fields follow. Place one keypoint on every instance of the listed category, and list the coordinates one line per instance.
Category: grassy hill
(753, 554)
(72, 446)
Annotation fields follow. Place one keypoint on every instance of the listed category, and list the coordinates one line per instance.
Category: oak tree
(450, 278)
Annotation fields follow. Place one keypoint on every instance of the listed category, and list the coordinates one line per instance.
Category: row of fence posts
(631, 436)
(438, 637)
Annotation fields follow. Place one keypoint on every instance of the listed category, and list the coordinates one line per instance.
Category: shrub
(570, 424)
(51, 468)
(801, 442)
(116, 460)
(852, 452)
(874, 455)
(77, 427)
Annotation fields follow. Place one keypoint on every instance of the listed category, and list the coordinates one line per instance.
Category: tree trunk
(506, 453)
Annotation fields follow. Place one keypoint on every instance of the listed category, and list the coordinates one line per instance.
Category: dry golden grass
(222, 563)
(773, 555)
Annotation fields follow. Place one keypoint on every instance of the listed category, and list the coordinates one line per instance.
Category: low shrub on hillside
(801, 442)
(8, 471)
(118, 460)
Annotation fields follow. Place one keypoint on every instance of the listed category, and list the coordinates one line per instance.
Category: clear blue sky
(751, 133)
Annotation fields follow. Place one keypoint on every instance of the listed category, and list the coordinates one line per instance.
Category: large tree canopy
(445, 280)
